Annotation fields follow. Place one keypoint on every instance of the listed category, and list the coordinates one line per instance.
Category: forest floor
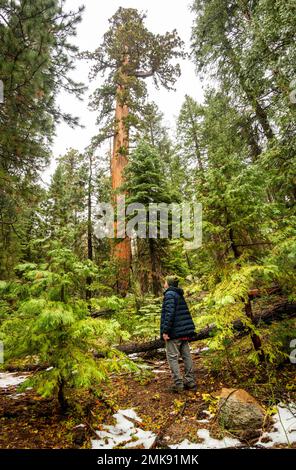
(161, 417)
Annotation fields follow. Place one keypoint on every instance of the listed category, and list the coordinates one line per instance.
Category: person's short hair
(173, 281)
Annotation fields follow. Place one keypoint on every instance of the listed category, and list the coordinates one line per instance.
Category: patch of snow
(284, 427)
(205, 420)
(10, 379)
(208, 442)
(145, 366)
(284, 432)
(15, 396)
(133, 356)
(198, 350)
(130, 413)
(124, 433)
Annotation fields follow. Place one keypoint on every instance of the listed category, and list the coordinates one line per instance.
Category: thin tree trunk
(63, 297)
(188, 260)
(195, 139)
(156, 284)
(256, 340)
(61, 396)
(89, 229)
(232, 244)
(249, 134)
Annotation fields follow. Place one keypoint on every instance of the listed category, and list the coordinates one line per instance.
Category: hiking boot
(192, 387)
(176, 389)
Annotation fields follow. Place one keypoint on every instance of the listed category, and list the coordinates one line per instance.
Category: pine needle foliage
(53, 323)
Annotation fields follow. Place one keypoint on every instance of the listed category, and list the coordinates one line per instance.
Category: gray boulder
(240, 413)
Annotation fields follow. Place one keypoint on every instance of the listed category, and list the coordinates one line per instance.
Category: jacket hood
(175, 289)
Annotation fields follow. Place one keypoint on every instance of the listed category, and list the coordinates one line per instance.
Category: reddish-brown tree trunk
(119, 160)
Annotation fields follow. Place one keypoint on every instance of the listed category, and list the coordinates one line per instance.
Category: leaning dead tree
(276, 313)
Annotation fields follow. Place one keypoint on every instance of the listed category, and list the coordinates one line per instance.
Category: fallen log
(279, 312)
(253, 293)
(101, 313)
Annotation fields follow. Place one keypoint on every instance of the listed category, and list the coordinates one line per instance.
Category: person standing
(177, 328)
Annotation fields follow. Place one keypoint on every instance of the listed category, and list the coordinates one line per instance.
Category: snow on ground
(16, 396)
(145, 366)
(10, 379)
(205, 420)
(284, 432)
(133, 356)
(284, 427)
(208, 442)
(124, 433)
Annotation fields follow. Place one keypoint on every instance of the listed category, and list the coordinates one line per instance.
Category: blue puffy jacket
(176, 320)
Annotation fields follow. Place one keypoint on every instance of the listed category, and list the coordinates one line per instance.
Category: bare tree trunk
(256, 340)
(119, 160)
(89, 228)
(61, 397)
(156, 284)
(195, 139)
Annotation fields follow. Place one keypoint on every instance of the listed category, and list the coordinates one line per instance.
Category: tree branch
(143, 73)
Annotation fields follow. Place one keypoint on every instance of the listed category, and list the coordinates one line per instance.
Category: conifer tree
(146, 184)
(67, 200)
(188, 129)
(250, 46)
(51, 321)
(232, 192)
(36, 59)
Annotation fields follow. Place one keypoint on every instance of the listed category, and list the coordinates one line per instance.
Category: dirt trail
(28, 421)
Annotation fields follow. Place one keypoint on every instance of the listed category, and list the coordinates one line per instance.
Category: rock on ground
(240, 413)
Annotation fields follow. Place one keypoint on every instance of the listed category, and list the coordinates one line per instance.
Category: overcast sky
(162, 16)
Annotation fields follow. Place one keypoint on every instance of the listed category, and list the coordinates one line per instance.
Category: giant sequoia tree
(130, 53)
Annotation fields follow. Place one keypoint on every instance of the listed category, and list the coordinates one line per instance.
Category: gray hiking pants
(174, 349)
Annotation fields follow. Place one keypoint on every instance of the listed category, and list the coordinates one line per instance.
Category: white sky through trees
(162, 16)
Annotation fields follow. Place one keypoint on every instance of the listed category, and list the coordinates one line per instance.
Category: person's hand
(165, 337)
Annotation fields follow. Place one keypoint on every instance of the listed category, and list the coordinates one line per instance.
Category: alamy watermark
(155, 220)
